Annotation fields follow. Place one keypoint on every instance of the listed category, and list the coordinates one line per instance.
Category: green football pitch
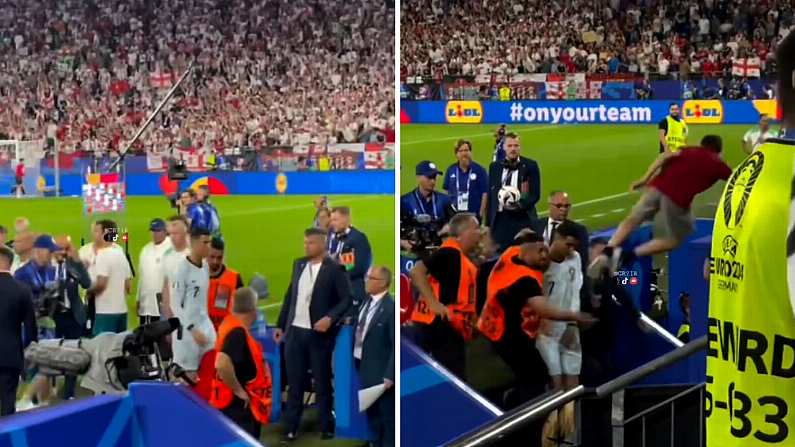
(263, 234)
(595, 164)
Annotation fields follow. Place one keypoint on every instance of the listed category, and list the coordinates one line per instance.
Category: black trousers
(305, 349)
(66, 326)
(9, 381)
(445, 345)
(381, 417)
(240, 415)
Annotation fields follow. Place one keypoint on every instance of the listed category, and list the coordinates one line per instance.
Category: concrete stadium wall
(582, 112)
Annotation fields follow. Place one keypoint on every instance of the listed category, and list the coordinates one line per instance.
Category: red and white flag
(747, 67)
(556, 89)
(160, 80)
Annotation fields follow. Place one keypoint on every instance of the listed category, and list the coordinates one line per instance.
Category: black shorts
(19, 180)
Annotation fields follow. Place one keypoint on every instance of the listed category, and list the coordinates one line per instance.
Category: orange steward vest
(259, 389)
(463, 311)
(221, 295)
(505, 273)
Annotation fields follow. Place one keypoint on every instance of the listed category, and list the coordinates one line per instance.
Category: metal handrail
(663, 403)
(532, 411)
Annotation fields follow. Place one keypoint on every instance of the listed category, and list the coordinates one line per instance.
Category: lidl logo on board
(464, 112)
(702, 112)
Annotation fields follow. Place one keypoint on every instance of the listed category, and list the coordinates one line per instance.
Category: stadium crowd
(266, 72)
(476, 37)
(54, 289)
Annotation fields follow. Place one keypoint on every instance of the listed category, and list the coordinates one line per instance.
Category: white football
(508, 198)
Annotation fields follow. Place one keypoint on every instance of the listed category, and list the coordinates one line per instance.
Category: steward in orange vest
(445, 309)
(513, 311)
(223, 284)
(242, 387)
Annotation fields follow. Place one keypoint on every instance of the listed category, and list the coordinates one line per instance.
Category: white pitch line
(598, 215)
(588, 202)
(617, 210)
(432, 140)
(270, 306)
(272, 209)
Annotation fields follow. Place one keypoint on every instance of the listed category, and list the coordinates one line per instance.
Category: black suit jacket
(77, 277)
(16, 315)
(331, 295)
(378, 349)
(529, 182)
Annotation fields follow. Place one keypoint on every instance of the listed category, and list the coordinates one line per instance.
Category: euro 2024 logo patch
(729, 246)
(738, 191)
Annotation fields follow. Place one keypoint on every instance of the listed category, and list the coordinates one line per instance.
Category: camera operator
(16, 314)
(39, 274)
(446, 280)
(70, 314)
(423, 212)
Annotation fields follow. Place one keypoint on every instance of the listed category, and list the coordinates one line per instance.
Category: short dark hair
(460, 143)
(713, 142)
(217, 243)
(785, 57)
(511, 135)
(7, 253)
(205, 188)
(3, 230)
(528, 238)
(598, 241)
(198, 232)
(567, 229)
(344, 210)
(190, 192)
(106, 224)
(314, 232)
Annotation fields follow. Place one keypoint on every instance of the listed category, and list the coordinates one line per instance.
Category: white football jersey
(189, 287)
(562, 284)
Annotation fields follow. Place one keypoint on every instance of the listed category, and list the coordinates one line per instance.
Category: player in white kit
(559, 341)
(190, 284)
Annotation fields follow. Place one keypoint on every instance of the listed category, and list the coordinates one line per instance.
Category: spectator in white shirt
(150, 268)
(178, 235)
(110, 276)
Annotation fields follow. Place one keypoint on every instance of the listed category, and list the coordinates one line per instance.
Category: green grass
(263, 234)
(590, 162)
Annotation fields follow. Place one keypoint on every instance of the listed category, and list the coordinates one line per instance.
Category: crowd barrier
(582, 112)
(265, 183)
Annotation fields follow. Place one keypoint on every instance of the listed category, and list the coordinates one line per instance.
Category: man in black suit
(16, 317)
(523, 174)
(350, 247)
(70, 317)
(559, 207)
(374, 353)
(318, 297)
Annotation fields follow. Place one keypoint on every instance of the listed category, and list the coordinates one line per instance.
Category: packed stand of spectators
(471, 37)
(267, 72)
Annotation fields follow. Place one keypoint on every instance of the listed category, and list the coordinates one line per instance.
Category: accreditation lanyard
(421, 206)
(458, 175)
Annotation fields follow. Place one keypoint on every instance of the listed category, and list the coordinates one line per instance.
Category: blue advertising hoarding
(582, 111)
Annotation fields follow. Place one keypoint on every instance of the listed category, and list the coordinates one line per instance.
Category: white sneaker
(25, 405)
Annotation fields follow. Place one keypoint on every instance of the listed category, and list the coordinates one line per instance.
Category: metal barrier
(492, 432)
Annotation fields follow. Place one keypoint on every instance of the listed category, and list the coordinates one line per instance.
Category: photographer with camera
(70, 313)
(423, 212)
(17, 330)
(40, 275)
(446, 280)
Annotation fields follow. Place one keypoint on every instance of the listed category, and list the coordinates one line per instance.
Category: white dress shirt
(548, 230)
(370, 309)
(306, 284)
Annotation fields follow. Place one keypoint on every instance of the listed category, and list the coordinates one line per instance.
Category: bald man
(70, 314)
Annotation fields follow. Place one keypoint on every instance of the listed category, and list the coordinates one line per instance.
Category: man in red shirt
(671, 182)
(20, 176)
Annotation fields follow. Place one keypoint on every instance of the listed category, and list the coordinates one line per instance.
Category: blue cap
(427, 168)
(157, 224)
(45, 241)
